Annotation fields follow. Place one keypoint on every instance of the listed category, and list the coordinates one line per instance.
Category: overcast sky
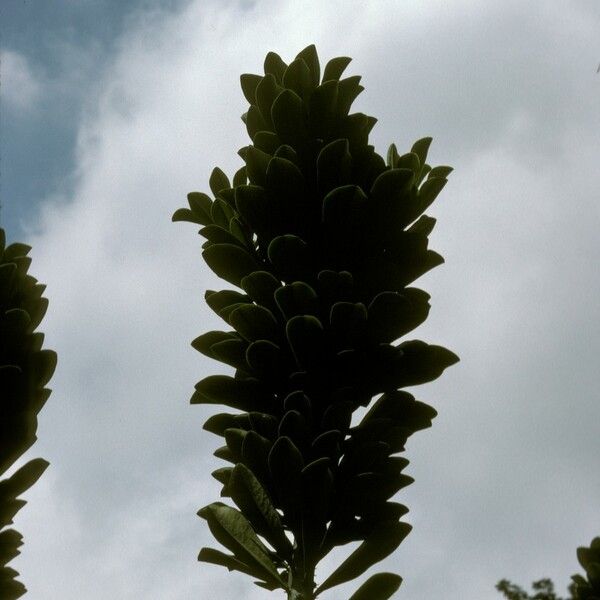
(110, 115)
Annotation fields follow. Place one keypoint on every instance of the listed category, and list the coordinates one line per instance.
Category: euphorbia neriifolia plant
(24, 371)
(324, 237)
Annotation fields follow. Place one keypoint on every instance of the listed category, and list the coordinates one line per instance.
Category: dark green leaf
(254, 322)
(334, 166)
(381, 543)
(261, 286)
(232, 530)
(249, 84)
(297, 78)
(322, 110)
(275, 66)
(335, 67)
(288, 118)
(378, 587)
(218, 181)
(305, 336)
(244, 395)
(230, 262)
(310, 57)
(348, 91)
(420, 148)
(257, 162)
(297, 298)
(255, 503)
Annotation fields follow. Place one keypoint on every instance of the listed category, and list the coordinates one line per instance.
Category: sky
(112, 112)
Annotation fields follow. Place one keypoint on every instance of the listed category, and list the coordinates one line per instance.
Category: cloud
(20, 87)
(506, 480)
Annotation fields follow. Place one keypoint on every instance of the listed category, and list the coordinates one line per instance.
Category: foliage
(24, 371)
(582, 587)
(324, 238)
(544, 590)
(588, 587)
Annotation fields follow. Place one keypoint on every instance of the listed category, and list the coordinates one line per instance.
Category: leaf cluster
(25, 369)
(323, 239)
(583, 587)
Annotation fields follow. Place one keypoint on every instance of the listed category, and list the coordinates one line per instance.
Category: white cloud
(19, 87)
(506, 482)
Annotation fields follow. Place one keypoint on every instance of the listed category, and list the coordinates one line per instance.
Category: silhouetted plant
(543, 590)
(588, 587)
(324, 239)
(582, 588)
(24, 371)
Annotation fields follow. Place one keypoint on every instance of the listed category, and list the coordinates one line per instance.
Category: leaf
(322, 109)
(297, 78)
(231, 352)
(23, 478)
(43, 364)
(218, 423)
(296, 298)
(200, 205)
(257, 162)
(290, 257)
(441, 171)
(275, 66)
(409, 161)
(305, 336)
(327, 444)
(392, 156)
(224, 299)
(265, 359)
(285, 464)
(393, 314)
(428, 192)
(310, 57)
(287, 114)
(204, 342)
(254, 322)
(218, 181)
(294, 426)
(216, 557)
(255, 121)
(286, 189)
(300, 402)
(255, 453)
(379, 544)
(266, 92)
(402, 408)
(348, 91)
(232, 529)
(244, 395)
(335, 67)
(390, 186)
(348, 322)
(418, 362)
(240, 177)
(219, 235)
(261, 286)
(343, 210)
(334, 166)
(249, 83)
(252, 204)
(255, 503)
(317, 489)
(378, 587)
(267, 141)
(230, 262)
(420, 148)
